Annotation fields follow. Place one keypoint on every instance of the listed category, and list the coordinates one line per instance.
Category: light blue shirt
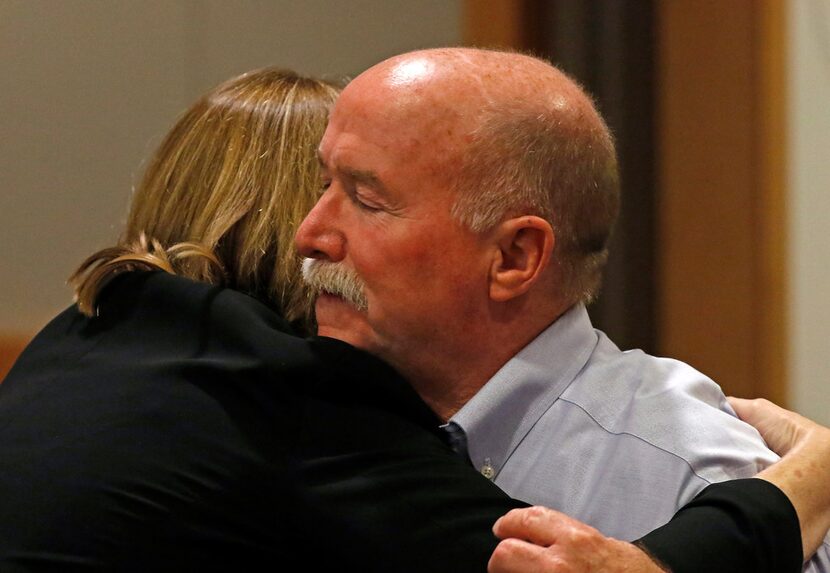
(619, 440)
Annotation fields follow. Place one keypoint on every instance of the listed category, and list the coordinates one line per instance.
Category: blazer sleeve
(745, 525)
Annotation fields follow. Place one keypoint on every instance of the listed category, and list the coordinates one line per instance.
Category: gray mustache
(336, 279)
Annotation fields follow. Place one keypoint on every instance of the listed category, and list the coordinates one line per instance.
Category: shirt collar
(499, 416)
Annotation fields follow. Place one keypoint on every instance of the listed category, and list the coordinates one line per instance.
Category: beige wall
(87, 88)
(809, 264)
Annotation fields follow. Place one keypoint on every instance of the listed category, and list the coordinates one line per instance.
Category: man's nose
(319, 235)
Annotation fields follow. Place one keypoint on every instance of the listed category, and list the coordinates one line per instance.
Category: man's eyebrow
(360, 175)
(366, 177)
(369, 178)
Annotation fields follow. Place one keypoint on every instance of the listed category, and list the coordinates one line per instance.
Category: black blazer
(184, 428)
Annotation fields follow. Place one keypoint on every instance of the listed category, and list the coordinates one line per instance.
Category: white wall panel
(809, 119)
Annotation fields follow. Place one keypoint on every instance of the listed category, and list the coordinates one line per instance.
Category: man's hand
(804, 470)
(541, 540)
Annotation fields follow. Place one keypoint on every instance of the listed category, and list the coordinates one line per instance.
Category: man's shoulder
(669, 406)
(614, 379)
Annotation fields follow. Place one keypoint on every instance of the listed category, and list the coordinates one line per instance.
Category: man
(469, 200)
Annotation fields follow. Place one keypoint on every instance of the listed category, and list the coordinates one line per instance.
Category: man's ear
(524, 246)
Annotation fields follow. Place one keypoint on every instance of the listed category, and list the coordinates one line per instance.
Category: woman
(171, 419)
(223, 195)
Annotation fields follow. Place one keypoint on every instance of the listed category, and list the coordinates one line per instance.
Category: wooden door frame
(722, 203)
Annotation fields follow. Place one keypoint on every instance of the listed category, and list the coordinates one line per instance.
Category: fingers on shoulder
(517, 556)
(537, 524)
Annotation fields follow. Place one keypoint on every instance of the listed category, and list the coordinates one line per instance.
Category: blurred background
(720, 108)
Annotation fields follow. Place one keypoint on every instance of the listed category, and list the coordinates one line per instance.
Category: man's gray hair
(539, 160)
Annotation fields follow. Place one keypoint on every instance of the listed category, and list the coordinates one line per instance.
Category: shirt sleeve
(745, 525)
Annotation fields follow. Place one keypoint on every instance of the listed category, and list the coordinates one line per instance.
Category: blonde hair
(223, 195)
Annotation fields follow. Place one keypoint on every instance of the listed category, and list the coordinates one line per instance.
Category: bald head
(517, 137)
(471, 193)
(482, 77)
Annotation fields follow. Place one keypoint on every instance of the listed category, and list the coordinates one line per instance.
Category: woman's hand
(804, 470)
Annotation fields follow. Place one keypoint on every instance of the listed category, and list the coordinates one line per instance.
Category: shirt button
(487, 469)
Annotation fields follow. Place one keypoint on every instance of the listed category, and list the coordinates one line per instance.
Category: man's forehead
(416, 90)
(355, 130)
(391, 116)
(410, 72)
(388, 160)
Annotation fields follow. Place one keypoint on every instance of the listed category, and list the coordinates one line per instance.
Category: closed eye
(324, 186)
(361, 202)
